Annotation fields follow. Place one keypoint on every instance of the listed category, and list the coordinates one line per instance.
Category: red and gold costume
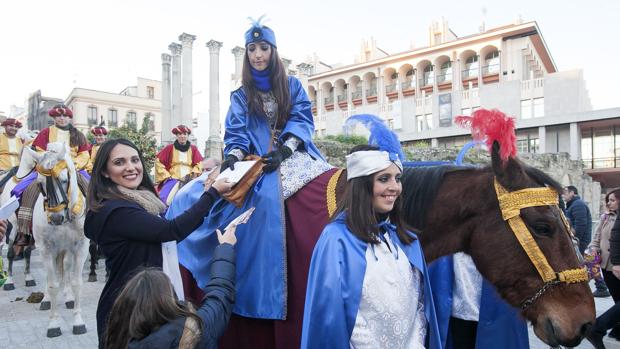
(174, 163)
(79, 154)
(10, 147)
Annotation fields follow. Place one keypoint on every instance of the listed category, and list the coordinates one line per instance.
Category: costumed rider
(270, 116)
(62, 131)
(368, 284)
(101, 135)
(10, 150)
(175, 163)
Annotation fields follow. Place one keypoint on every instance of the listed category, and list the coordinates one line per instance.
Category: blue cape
(261, 247)
(335, 287)
(499, 326)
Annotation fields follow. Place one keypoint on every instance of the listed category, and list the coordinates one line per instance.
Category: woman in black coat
(124, 218)
(612, 316)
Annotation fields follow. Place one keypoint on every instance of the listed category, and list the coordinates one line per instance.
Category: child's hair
(146, 303)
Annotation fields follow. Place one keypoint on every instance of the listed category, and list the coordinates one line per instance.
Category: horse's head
(523, 245)
(58, 179)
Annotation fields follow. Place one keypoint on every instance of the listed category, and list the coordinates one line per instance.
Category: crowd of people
(359, 282)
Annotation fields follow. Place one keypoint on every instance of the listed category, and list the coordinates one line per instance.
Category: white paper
(9, 208)
(241, 219)
(241, 168)
(170, 266)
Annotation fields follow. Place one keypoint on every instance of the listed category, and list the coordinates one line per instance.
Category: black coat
(214, 312)
(131, 238)
(614, 244)
(578, 214)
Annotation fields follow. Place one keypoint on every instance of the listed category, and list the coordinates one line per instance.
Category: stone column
(575, 141)
(214, 143)
(166, 105)
(542, 139)
(239, 53)
(175, 83)
(187, 41)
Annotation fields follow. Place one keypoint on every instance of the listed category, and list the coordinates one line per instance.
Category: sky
(105, 45)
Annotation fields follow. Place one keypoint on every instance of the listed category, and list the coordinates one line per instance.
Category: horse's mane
(422, 185)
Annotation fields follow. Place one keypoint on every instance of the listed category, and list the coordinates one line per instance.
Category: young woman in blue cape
(470, 313)
(368, 285)
(269, 116)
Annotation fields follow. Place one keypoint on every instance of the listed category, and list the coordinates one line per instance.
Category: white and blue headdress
(364, 163)
(259, 32)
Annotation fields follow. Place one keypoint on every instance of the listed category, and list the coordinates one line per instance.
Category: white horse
(58, 229)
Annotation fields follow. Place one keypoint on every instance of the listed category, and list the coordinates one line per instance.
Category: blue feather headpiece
(259, 32)
(380, 135)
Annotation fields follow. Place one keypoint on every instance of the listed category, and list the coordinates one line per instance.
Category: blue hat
(259, 32)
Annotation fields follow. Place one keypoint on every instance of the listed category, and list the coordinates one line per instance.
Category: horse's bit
(511, 203)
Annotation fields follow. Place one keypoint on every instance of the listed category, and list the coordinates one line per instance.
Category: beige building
(420, 91)
(131, 105)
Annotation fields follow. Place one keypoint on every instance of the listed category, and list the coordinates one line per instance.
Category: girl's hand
(228, 237)
(222, 185)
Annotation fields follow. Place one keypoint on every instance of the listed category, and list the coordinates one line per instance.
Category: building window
(151, 118)
(428, 121)
(92, 115)
(466, 111)
(131, 118)
(419, 122)
(446, 72)
(471, 67)
(491, 62)
(539, 107)
(528, 145)
(526, 109)
(113, 117)
(533, 145)
(428, 77)
(150, 92)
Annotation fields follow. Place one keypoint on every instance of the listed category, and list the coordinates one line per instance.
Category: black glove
(273, 159)
(229, 163)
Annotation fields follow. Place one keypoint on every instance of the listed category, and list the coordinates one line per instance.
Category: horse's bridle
(53, 175)
(510, 204)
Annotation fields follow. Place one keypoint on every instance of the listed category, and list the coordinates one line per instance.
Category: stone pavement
(24, 326)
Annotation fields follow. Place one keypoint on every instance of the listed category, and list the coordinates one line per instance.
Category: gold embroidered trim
(331, 192)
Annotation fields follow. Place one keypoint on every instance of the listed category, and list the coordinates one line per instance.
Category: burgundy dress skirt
(307, 213)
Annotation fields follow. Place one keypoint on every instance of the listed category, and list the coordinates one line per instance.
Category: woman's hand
(222, 185)
(228, 237)
(273, 159)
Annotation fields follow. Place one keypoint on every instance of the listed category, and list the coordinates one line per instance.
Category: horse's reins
(51, 179)
(510, 204)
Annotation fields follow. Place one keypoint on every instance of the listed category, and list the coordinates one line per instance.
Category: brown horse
(458, 210)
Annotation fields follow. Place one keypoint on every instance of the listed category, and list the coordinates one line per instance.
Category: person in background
(101, 135)
(209, 164)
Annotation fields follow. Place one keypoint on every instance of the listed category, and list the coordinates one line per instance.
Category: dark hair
(279, 87)
(101, 188)
(146, 303)
(573, 189)
(615, 191)
(361, 218)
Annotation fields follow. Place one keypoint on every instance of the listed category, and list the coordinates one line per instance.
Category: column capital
(305, 68)
(187, 39)
(175, 48)
(237, 51)
(214, 46)
(165, 58)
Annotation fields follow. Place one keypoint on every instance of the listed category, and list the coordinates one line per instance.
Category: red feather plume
(491, 126)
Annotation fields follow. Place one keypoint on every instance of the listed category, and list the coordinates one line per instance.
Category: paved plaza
(24, 326)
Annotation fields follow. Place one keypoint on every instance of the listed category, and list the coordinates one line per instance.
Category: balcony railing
(446, 77)
(427, 79)
(405, 85)
(371, 92)
(470, 73)
(608, 162)
(390, 88)
(342, 98)
(356, 95)
(328, 100)
(490, 69)
(313, 104)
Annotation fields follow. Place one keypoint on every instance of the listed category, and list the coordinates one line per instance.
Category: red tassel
(491, 126)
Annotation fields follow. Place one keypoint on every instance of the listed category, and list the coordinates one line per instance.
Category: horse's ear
(508, 172)
(34, 154)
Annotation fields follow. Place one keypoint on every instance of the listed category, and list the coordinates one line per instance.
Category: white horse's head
(58, 178)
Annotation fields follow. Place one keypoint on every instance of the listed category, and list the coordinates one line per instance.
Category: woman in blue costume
(368, 285)
(269, 116)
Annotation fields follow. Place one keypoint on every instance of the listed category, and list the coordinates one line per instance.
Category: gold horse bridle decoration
(511, 204)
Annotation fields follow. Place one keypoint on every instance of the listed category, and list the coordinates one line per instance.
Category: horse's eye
(543, 230)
